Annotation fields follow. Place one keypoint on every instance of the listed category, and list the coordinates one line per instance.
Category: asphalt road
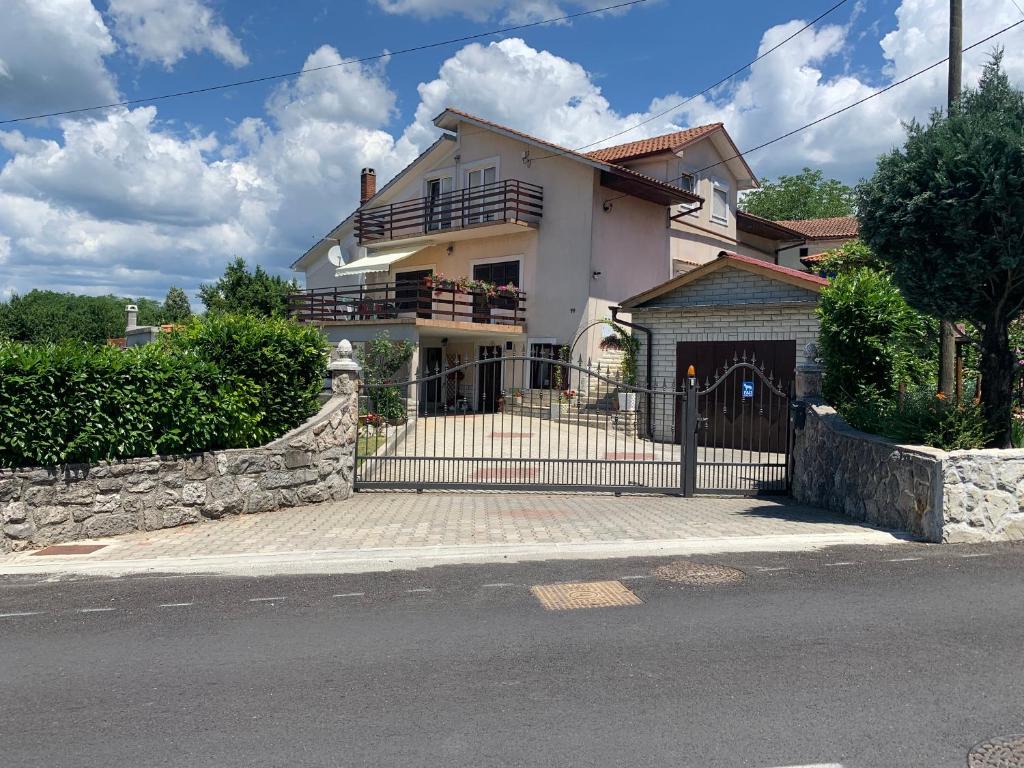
(867, 657)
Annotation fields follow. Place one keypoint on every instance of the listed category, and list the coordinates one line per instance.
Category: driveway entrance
(588, 432)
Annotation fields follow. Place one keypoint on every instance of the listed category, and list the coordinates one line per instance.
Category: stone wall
(312, 463)
(959, 496)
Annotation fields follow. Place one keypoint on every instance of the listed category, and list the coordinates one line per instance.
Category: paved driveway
(379, 531)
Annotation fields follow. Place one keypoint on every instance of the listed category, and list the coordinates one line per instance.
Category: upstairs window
(720, 204)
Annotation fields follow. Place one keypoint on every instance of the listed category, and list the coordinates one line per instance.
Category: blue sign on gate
(748, 390)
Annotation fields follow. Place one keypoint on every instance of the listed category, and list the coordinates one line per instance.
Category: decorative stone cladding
(310, 464)
(958, 496)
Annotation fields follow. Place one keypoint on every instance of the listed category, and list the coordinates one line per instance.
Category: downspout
(648, 413)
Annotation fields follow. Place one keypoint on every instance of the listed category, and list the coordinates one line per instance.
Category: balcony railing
(503, 201)
(410, 300)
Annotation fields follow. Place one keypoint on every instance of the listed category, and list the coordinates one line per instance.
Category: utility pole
(947, 333)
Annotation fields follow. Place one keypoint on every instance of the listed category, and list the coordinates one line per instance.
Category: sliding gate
(528, 423)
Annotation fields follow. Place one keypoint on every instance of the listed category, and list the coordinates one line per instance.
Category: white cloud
(510, 11)
(52, 56)
(156, 30)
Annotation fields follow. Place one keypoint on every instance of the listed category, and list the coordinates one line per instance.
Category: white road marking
(498, 584)
(94, 610)
(419, 589)
(902, 559)
(19, 613)
(815, 765)
(175, 605)
(834, 565)
(265, 599)
(634, 578)
(772, 570)
(979, 554)
(350, 594)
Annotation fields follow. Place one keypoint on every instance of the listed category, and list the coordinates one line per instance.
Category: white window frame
(476, 216)
(718, 186)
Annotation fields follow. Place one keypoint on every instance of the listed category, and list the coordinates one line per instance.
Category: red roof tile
(806, 276)
(824, 229)
(653, 145)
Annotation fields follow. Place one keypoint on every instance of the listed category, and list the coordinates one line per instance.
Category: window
(481, 201)
(499, 273)
(804, 252)
(439, 203)
(720, 204)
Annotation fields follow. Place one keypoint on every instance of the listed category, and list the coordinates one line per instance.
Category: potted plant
(630, 350)
(560, 406)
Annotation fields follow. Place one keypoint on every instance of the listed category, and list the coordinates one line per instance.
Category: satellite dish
(334, 256)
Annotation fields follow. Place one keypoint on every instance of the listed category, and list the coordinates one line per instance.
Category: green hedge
(81, 403)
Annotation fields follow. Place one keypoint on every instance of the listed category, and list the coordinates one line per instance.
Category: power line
(707, 90)
(347, 62)
(840, 111)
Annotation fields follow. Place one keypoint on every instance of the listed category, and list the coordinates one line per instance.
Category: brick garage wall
(757, 322)
(312, 463)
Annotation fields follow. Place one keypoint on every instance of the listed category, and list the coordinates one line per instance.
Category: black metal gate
(743, 431)
(526, 423)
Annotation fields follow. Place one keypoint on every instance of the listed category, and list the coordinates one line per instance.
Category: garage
(748, 329)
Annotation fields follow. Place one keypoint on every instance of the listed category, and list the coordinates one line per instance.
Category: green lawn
(369, 443)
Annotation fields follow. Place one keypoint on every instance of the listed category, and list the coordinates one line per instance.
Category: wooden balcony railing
(390, 301)
(503, 201)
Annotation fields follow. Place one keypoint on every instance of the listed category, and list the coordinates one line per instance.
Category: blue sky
(133, 200)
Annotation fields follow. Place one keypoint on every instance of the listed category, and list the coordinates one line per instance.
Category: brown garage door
(727, 421)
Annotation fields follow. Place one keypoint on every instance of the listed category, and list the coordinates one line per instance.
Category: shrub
(871, 340)
(283, 362)
(922, 419)
(381, 360)
(80, 403)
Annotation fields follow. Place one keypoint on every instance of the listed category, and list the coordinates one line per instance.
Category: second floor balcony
(490, 205)
(461, 301)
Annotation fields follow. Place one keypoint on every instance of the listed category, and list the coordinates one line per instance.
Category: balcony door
(439, 204)
(499, 273)
(480, 200)
(411, 295)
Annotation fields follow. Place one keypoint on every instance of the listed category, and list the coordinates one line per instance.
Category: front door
(432, 388)
(490, 379)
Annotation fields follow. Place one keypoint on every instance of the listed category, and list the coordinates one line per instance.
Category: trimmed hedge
(71, 403)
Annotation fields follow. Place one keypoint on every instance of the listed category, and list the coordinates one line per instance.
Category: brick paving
(409, 520)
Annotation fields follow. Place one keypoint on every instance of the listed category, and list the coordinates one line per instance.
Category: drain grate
(69, 549)
(1000, 752)
(699, 574)
(585, 594)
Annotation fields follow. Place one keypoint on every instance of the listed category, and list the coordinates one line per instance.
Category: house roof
(651, 146)
(773, 230)
(451, 116)
(730, 259)
(834, 228)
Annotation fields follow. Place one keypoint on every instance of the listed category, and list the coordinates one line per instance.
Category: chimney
(367, 184)
(131, 316)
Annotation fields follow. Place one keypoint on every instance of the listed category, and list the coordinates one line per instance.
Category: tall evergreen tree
(176, 307)
(946, 212)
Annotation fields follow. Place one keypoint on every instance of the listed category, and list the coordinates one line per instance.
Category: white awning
(379, 262)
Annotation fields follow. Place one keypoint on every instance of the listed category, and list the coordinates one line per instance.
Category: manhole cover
(699, 574)
(1000, 752)
(587, 594)
(69, 549)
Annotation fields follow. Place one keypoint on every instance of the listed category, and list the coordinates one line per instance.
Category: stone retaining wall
(312, 463)
(958, 496)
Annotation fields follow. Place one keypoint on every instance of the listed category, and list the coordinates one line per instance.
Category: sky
(135, 199)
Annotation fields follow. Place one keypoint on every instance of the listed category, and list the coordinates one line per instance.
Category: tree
(51, 317)
(381, 359)
(176, 307)
(851, 255)
(242, 292)
(808, 195)
(946, 212)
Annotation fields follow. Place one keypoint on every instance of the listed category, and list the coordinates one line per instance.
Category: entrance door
(490, 379)
(478, 181)
(431, 390)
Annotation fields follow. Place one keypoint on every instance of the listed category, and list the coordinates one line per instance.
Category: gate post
(688, 440)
